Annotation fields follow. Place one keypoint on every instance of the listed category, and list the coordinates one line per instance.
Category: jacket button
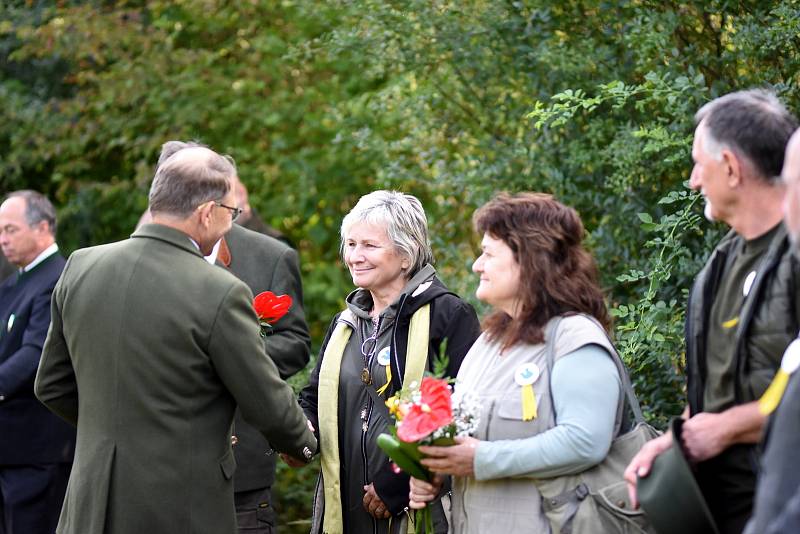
(621, 503)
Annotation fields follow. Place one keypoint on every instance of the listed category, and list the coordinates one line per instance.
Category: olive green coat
(149, 350)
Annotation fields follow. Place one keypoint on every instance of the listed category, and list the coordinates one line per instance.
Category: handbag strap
(550, 348)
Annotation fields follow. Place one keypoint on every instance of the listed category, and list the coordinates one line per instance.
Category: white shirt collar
(46, 253)
(212, 258)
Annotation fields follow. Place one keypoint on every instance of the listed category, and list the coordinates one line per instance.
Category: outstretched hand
(291, 461)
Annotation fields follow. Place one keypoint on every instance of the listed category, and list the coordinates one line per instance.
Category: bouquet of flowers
(269, 308)
(426, 414)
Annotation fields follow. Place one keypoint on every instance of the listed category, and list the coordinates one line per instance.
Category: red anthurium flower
(271, 307)
(432, 412)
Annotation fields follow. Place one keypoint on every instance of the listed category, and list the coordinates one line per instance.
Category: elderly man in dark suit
(36, 447)
(149, 351)
(264, 264)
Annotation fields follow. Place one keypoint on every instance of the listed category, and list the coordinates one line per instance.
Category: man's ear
(42, 226)
(734, 167)
(203, 213)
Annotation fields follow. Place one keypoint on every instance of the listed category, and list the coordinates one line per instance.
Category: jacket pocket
(228, 465)
(508, 423)
(616, 513)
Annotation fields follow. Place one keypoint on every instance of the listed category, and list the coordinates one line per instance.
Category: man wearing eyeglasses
(264, 264)
(149, 352)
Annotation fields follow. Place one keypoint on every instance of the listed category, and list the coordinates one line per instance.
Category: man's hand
(291, 461)
(455, 460)
(643, 461)
(373, 504)
(705, 435)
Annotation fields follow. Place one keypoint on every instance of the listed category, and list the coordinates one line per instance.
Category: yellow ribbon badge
(525, 376)
(774, 393)
(384, 360)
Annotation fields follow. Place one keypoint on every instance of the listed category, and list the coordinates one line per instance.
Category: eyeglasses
(235, 212)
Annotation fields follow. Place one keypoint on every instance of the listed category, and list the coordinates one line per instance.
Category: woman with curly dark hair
(540, 420)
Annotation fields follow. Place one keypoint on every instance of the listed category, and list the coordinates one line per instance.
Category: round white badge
(791, 357)
(748, 283)
(527, 374)
(383, 356)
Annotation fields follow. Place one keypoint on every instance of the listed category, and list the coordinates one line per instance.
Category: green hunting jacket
(266, 264)
(149, 351)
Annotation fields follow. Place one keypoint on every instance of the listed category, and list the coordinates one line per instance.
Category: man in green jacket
(743, 307)
(149, 352)
(265, 264)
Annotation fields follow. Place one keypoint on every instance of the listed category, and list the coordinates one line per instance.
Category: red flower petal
(431, 413)
(270, 307)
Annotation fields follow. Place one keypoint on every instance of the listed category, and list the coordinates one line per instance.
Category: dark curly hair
(557, 275)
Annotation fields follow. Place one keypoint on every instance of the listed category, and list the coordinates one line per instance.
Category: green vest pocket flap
(615, 499)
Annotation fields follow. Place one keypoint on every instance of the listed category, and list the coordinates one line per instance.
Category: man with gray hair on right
(742, 311)
(149, 352)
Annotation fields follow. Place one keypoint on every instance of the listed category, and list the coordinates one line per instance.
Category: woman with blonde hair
(397, 321)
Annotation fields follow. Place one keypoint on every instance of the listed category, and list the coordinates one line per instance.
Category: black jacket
(768, 321)
(29, 432)
(767, 324)
(453, 320)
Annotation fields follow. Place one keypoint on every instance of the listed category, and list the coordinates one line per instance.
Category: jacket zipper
(364, 426)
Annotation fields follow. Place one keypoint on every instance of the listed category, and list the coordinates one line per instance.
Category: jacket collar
(359, 302)
(168, 235)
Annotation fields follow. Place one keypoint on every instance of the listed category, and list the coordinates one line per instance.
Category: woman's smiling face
(499, 275)
(374, 262)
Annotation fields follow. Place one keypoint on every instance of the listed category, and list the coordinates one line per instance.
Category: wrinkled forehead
(365, 230)
(13, 209)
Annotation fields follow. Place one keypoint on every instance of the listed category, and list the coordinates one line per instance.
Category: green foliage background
(323, 101)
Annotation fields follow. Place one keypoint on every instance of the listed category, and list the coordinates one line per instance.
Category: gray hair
(37, 208)
(170, 147)
(181, 185)
(754, 124)
(404, 219)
